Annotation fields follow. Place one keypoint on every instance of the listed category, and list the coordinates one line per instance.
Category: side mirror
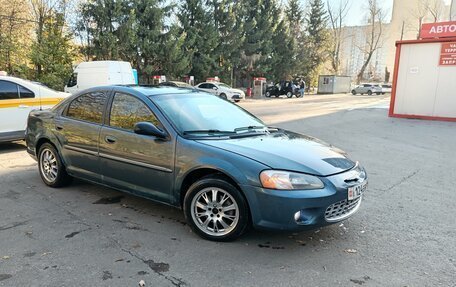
(149, 129)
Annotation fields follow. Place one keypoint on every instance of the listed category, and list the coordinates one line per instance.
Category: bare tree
(420, 12)
(336, 18)
(436, 10)
(374, 34)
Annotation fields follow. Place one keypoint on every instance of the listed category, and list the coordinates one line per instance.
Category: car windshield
(200, 114)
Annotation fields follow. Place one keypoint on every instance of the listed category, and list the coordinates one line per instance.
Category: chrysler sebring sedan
(223, 166)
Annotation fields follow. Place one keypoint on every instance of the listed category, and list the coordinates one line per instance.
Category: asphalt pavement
(403, 235)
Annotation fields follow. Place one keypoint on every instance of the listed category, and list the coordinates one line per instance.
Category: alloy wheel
(48, 165)
(214, 211)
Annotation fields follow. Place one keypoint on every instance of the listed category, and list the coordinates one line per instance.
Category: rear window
(88, 107)
(8, 91)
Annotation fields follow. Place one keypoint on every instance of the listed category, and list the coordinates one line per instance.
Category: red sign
(438, 30)
(448, 54)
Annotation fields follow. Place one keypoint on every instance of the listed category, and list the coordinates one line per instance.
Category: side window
(73, 80)
(127, 110)
(203, 86)
(8, 91)
(210, 86)
(88, 107)
(25, 93)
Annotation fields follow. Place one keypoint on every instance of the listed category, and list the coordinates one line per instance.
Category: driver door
(137, 163)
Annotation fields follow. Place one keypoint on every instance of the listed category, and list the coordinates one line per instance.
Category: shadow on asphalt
(11, 147)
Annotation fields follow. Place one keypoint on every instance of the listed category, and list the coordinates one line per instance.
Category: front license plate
(356, 191)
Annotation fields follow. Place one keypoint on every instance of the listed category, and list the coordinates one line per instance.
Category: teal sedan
(223, 166)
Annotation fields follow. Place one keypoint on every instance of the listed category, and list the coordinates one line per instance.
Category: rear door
(16, 102)
(140, 164)
(78, 131)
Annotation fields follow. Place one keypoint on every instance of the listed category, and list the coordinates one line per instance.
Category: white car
(222, 90)
(17, 98)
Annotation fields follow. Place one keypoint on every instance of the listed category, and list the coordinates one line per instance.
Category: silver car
(367, 89)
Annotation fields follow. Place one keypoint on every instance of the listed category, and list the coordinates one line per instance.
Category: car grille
(342, 209)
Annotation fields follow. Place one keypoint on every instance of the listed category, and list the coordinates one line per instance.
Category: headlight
(284, 180)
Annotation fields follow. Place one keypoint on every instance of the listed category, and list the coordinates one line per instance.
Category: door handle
(58, 127)
(110, 139)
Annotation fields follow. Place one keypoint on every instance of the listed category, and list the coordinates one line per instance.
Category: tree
(317, 41)
(200, 37)
(283, 55)
(336, 19)
(294, 14)
(54, 53)
(374, 34)
(15, 29)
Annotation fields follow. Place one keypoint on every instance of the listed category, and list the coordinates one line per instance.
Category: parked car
(282, 88)
(223, 166)
(369, 89)
(386, 89)
(176, 84)
(222, 90)
(100, 73)
(17, 98)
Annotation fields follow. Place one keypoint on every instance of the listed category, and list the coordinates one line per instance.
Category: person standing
(302, 88)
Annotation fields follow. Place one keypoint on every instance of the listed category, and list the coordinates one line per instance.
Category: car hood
(286, 150)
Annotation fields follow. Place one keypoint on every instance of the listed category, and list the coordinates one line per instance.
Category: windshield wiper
(249, 128)
(209, 132)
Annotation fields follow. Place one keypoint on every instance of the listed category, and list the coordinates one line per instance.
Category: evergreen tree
(55, 53)
(283, 57)
(295, 17)
(317, 40)
(201, 38)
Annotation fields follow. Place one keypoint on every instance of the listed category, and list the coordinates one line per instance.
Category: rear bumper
(302, 209)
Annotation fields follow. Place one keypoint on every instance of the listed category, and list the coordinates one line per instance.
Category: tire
(354, 93)
(205, 220)
(369, 93)
(223, 96)
(289, 95)
(268, 94)
(298, 96)
(51, 168)
(378, 94)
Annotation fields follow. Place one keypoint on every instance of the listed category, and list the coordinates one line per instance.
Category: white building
(407, 17)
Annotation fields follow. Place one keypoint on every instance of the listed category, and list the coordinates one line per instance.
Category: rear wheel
(52, 170)
(216, 210)
(369, 93)
(268, 94)
(223, 96)
(354, 93)
(289, 95)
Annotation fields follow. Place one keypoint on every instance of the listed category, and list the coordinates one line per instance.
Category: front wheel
(354, 93)
(369, 93)
(268, 94)
(223, 96)
(216, 210)
(52, 170)
(289, 95)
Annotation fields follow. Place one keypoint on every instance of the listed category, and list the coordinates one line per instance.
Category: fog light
(297, 217)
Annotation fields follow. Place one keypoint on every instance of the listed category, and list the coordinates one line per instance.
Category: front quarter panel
(192, 155)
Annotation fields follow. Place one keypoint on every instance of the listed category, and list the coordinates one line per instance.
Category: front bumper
(304, 209)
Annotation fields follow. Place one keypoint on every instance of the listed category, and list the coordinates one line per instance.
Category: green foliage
(54, 54)
(316, 42)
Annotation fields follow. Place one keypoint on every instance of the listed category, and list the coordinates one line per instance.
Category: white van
(100, 73)
(17, 98)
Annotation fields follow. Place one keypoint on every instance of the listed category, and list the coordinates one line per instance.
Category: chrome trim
(73, 148)
(134, 162)
(345, 215)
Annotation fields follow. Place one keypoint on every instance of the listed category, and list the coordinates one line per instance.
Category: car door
(78, 130)
(14, 106)
(138, 163)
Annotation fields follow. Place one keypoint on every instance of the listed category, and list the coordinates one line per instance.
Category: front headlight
(285, 180)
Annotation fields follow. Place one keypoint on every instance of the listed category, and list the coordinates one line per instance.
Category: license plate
(355, 192)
